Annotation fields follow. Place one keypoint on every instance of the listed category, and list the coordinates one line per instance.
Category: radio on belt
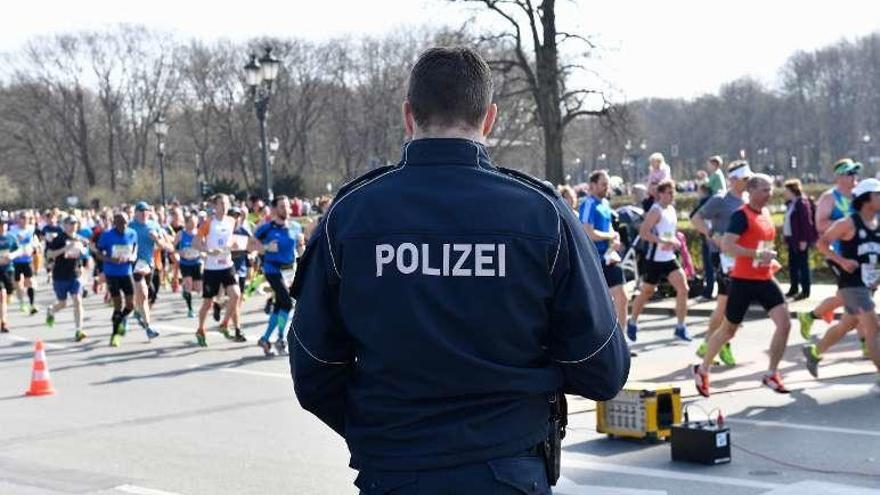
(704, 442)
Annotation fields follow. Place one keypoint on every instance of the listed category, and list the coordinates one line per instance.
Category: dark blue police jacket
(439, 304)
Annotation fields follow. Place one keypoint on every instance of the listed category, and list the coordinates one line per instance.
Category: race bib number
(142, 266)
(190, 254)
(239, 242)
(726, 263)
(121, 251)
(870, 273)
(287, 275)
(73, 251)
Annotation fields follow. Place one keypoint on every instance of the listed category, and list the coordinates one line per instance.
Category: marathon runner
(66, 250)
(190, 262)
(48, 232)
(711, 220)
(22, 264)
(281, 241)
(858, 255)
(659, 229)
(116, 251)
(8, 247)
(833, 205)
(149, 235)
(749, 240)
(241, 260)
(215, 238)
(596, 216)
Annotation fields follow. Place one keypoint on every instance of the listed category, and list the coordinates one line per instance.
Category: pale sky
(668, 48)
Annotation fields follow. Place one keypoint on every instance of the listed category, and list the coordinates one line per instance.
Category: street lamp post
(259, 76)
(160, 127)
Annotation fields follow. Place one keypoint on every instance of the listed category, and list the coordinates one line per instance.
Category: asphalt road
(168, 417)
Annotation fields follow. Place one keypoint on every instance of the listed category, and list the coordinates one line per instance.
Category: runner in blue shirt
(149, 236)
(23, 263)
(117, 250)
(190, 262)
(597, 218)
(8, 247)
(281, 240)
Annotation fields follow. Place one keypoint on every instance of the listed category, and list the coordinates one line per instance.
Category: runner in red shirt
(749, 240)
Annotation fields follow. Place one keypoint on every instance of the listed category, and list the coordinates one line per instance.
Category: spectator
(709, 281)
(799, 231)
(569, 196)
(658, 172)
(717, 184)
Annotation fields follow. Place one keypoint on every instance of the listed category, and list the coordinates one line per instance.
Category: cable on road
(803, 467)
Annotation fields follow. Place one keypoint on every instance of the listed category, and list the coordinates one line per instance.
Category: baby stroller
(629, 220)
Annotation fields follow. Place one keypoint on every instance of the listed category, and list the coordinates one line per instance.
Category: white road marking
(139, 490)
(585, 462)
(799, 426)
(823, 488)
(48, 346)
(237, 371)
(566, 486)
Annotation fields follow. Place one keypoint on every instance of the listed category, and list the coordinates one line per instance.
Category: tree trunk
(83, 138)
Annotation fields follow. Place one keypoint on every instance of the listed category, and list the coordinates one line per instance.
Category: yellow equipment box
(640, 413)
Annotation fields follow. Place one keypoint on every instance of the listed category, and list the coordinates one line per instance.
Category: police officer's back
(442, 301)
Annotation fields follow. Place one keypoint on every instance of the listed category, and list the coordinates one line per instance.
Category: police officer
(443, 302)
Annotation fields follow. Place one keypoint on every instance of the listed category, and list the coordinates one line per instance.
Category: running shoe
(23, 307)
(806, 320)
(225, 332)
(140, 318)
(813, 358)
(632, 329)
(79, 336)
(281, 347)
(50, 318)
(115, 339)
(216, 314)
(681, 333)
(266, 346)
(239, 337)
(701, 380)
(4, 329)
(152, 334)
(701, 351)
(190, 314)
(201, 339)
(726, 355)
(774, 383)
(34, 310)
(122, 327)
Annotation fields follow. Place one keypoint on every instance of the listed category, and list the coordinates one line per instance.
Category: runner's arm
(841, 229)
(646, 230)
(823, 212)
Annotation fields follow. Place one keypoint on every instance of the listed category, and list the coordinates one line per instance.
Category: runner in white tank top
(659, 229)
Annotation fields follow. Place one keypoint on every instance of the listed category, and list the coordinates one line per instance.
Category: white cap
(866, 186)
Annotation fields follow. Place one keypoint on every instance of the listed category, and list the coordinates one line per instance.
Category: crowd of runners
(225, 250)
(739, 232)
(218, 253)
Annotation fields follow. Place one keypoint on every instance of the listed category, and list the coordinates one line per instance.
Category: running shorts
(655, 271)
(122, 284)
(741, 293)
(213, 280)
(857, 300)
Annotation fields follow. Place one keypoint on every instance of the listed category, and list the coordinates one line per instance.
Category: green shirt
(716, 183)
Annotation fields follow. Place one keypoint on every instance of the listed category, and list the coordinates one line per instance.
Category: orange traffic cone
(40, 384)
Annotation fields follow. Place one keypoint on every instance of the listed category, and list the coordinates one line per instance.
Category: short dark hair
(665, 185)
(448, 86)
(277, 199)
(595, 176)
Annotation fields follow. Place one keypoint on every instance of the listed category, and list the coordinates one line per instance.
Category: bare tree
(535, 49)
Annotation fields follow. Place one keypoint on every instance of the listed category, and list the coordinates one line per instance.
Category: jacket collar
(445, 151)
